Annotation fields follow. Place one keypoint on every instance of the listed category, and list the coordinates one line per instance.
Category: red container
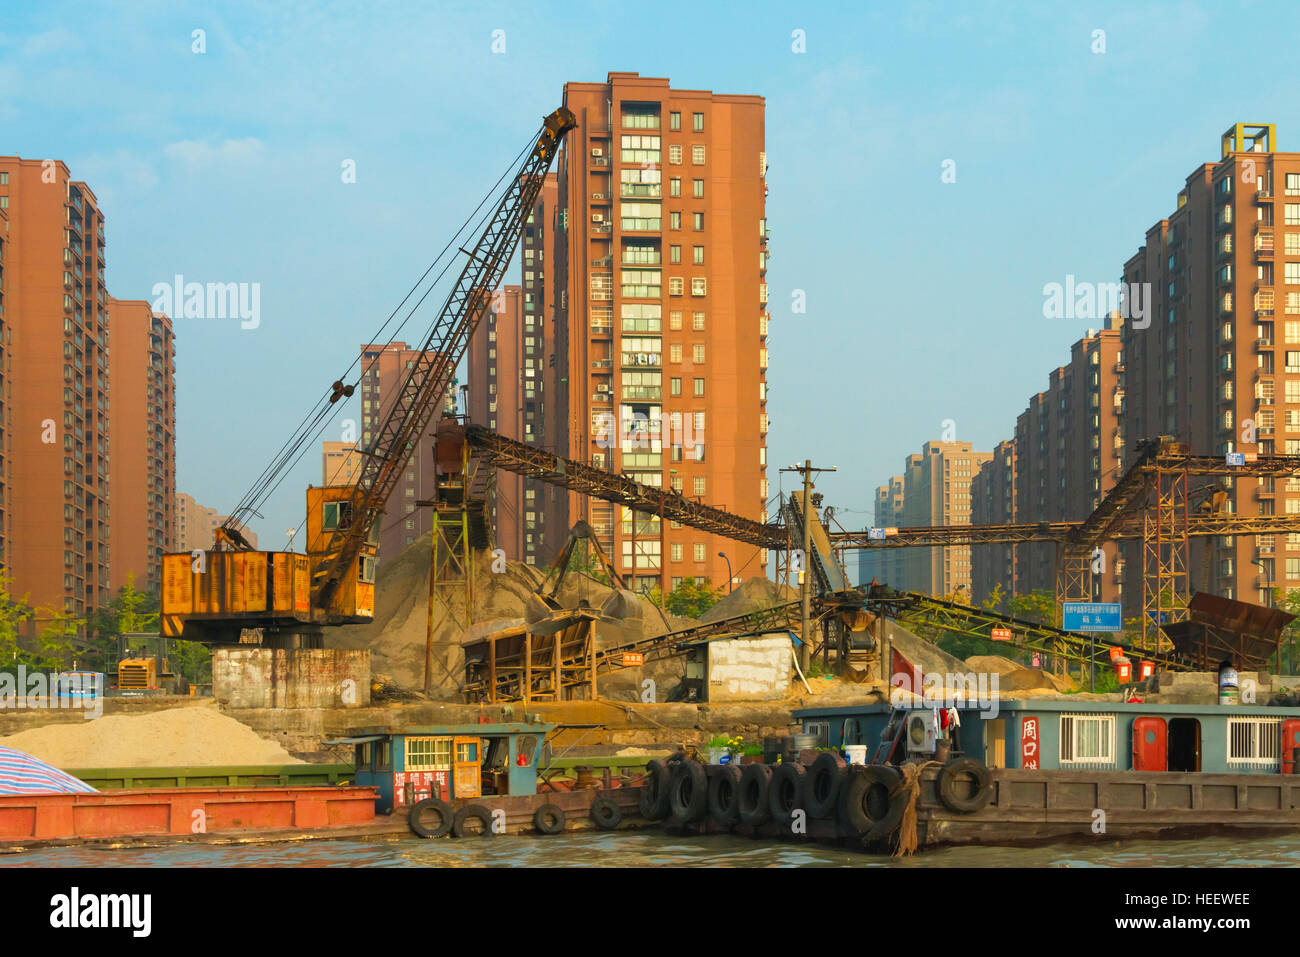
(1116, 653)
(1123, 670)
(1146, 669)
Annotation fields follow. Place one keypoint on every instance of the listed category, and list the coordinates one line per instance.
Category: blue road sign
(1236, 458)
(1091, 616)
(876, 534)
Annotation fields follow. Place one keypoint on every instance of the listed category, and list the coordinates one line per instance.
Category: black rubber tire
(477, 811)
(724, 795)
(549, 819)
(947, 785)
(822, 785)
(653, 799)
(786, 792)
(751, 802)
(446, 815)
(606, 813)
(867, 797)
(888, 824)
(688, 792)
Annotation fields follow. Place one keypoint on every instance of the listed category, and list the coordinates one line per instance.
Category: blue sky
(924, 297)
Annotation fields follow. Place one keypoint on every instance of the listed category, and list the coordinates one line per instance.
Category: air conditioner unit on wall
(597, 151)
(597, 217)
(921, 731)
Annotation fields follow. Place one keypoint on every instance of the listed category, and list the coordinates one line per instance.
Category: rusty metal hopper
(621, 605)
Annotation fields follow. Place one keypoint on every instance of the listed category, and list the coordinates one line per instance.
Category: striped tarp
(20, 773)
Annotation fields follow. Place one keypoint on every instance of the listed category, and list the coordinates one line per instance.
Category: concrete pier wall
(291, 677)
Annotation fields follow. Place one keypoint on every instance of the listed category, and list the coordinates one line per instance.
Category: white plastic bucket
(857, 753)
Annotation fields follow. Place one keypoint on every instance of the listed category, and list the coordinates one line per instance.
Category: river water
(654, 849)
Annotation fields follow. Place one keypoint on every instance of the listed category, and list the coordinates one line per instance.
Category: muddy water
(652, 849)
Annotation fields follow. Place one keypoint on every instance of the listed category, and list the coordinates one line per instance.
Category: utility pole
(805, 580)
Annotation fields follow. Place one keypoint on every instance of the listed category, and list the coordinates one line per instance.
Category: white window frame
(1067, 740)
(1255, 740)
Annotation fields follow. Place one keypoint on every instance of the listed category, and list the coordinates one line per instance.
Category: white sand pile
(755, 594)
(177, 737)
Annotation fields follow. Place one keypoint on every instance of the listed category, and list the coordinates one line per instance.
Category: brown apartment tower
(384, 367)
(1219, 365)
(937, 491)
(57, 437)
(660, 310)
(993, 502)
(142, 443)
(1069, 455)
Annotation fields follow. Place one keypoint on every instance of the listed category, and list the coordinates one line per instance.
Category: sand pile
(396, 638)
(176, 737)
(755, 594)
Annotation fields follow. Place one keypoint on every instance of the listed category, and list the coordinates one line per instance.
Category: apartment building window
(1292, 273)
(675, 186)
(676, 387)
(674, 254)
(675, 285)
(675, 353)
(675, 155)
(697, 122)
(697, 220)
(674, 220)
(675, 551)
(675, 483)
(4, 179)
(699, 551)
(699, 387)
(642, 317)
(697, 155)
(697, 321)
(697, 353)
(674, 120)
(1291, 214)
(1291, 243)
(699, 484)
(641, 283)
(640, 216)
(674, 320)
(698, 286)
(4, 202)
(697, 188)
(639, 150)
(640, 183)
(697, 256)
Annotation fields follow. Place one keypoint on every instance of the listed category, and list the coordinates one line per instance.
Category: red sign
(1029, 744)
(1001, 634)
(632, 659)
(1251, 456)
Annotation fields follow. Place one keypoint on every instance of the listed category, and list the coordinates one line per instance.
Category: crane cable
(313, 424)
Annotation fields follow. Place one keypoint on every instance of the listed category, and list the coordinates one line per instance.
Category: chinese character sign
(1029, 744)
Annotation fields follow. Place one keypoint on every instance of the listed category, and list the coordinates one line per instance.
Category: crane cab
(212, 595)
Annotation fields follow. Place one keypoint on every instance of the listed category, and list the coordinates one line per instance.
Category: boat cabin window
(1087, 739)
(851, 733)
(1254, 742)
(361, 755)
(383, 755)
(496, 752)
(336, 515)
(528, 747)
(820, 728)
(467, 752)
(428, 754)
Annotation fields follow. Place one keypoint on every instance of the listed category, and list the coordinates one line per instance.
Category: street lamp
(291, 532)
(723, 556)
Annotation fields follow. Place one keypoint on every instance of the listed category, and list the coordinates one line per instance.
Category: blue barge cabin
(1051, 769)
(1060, 734)
(447, 762)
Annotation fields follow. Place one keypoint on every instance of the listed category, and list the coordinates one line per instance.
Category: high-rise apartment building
(1069, 453)
(937, 491)
(993, 502)
(385, 366)
(497, 389)
(142, 443)
(660, 310)
(6, 407)
(884, 565)
(196, 525)
(340, 463)
(57, 441)
(1219, 365)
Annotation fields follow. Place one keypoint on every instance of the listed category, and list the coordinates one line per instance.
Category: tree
(689, 599)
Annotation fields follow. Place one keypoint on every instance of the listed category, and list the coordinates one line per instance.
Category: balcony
(1264, 301)
(602, 228)
(602, 398)
(1263, 195)
(602, 364)
(600, 161)
(604, 262)
(1264, 345)
(1264, 244)
(600, 198)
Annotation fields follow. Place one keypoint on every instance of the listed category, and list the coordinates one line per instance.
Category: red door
(1150, 745)
(1290, 741)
